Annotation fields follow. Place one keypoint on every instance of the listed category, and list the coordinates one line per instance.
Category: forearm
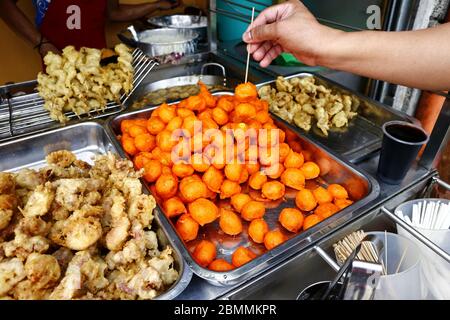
(18, 22)
(419, 59)
(131, 12)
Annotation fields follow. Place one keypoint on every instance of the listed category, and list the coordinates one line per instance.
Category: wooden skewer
(248, 52)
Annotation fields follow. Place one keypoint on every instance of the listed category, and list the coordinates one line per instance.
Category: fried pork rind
(302, 102)
(83, 233)
(75, 81)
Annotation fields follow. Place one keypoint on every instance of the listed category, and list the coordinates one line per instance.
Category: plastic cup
(435, 270)
(401, 144)
(403, 279)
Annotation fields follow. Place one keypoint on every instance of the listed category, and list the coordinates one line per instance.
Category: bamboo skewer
(248, 52)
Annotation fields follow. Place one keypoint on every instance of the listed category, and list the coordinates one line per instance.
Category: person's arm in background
(20, 24)
(124, 12)
(419, 59)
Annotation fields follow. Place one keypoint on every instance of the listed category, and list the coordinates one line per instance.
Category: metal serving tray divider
(363, 135)
(85, 140)
(298, 242)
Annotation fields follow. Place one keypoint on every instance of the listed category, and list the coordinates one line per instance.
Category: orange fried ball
(246, 91)
(187, 227)
(293, 178)
(252, 167)
(226, 103)
(193, 189)
(293, 160)
(238, 201)
(342, 203)
(273, 190)
(257, 230)
(242, 256)
(203, 211)
(310, 170)
(174, 207)
(182, 170)
(326, 210)
(337, 191)
(273, 238)
(275, 171)
(229, 222)
(145, 142)
(152, 170)
(205, 253)
(166, 185)
(233, 171)
(200, 163)
(136, 130)
(155, 125)
(291, 219)
(322, 195)
(220, 265)
(257, 180)
(229, 188)
(253, 210)
(166, 113)
(245, 111)
(305, 200)
(165, 141)
(284, 151)
(220, 116)
(213, 178)
(128, 145)
(174, 124)
(311, 221)
(141, 159)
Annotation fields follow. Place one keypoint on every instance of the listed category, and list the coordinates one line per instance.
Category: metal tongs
(356, 280)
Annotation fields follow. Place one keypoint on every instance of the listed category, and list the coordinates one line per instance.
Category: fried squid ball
(242, 256)
(273, 239)
(257, 230)
(220, 265)
(166, 186)
(229, 188)
(253, 210)
(213, 178)
(174, 207)
(187, 227)
(291, 219)
(273, 190)
(205, 253)
(293, 178)
(229, 222)
(305, 200)
(238, 201)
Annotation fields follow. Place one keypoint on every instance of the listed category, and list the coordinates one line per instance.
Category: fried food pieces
(75, 81)
(80, 232)
(301, 101)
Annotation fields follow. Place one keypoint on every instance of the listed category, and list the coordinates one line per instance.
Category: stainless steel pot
(160, 42)
(178, 21)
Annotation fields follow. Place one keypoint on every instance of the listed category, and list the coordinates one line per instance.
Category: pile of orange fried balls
(190, 189)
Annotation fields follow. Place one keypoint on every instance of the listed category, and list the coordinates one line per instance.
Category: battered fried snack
(75, 81)
(311, 221)
(273, 190)
(203, 211)
(257, 230)
(273, 239)
(242, 256)
(84, 233)
(253, 210)
(220, 265)
(229, 222)
(238, 201)
(302, 102)
(305, 200)
(205, 253)
(291, 219)
(187, 227)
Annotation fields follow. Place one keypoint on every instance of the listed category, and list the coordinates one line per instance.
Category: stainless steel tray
(363, 135)
(341, 171)
(85, 140)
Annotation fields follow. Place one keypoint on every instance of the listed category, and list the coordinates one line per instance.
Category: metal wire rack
(25, 114)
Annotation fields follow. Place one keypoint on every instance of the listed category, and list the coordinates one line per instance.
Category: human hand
(46, 48)
(287, 27)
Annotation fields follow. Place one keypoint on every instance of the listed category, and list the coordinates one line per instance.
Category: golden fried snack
(242, 256)
(257, 180)
(213, 178)
(187, 227)
(273, 190)
(337, 191)
(311, 221)
(257, 230)
(166, 186)
(238, 201)
(310, 170)
(322, 195)
(291, 219)
(174, 207)
(273, 239)
(293, 178)
(305, 200)
(203, 211)
(229, 222)
(342, 203)
(220, 265)
(253, 210)
(294, 160)
(205, 253)
(326, 210)
(229, 188)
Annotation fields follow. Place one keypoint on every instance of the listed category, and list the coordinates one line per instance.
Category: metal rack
(25, 114)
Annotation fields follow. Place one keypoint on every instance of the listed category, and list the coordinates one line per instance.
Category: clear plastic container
(435, 270)
(403, 279)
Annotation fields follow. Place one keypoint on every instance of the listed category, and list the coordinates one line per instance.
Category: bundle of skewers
(428, 214)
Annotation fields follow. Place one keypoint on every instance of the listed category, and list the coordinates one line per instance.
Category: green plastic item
(287, 59)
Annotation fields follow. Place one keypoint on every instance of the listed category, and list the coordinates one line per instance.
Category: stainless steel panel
(363, 135)
(85, 140)
(341, 172)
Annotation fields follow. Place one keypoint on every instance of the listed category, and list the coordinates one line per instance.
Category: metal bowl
(159, 42)
(177, 21)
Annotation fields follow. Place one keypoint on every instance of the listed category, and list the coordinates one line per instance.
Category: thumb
(261, 33)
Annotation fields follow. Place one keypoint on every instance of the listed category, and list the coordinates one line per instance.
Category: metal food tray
(364, 134)
(85, 140)
(341, 171)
